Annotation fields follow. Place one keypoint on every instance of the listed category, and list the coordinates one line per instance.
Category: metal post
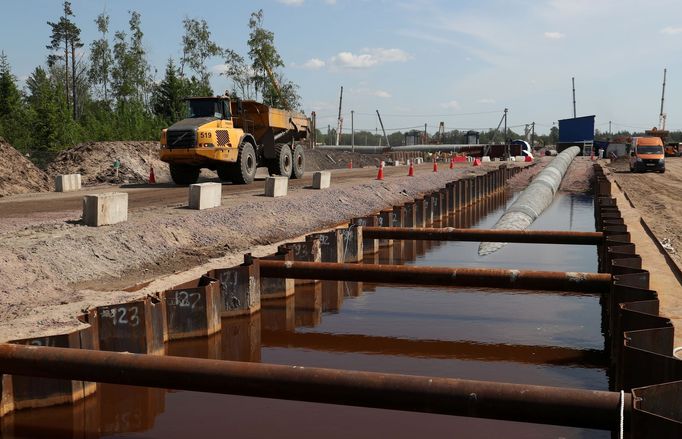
(573, 81)
(388, 145)
(506, 142)
(518, 402)
(338, 130)
(352, 131)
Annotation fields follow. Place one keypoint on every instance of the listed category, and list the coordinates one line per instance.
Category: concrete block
(193, 309)
(67, 182)
(397, 163)
(322, 179)
(205, 195)
(105, 209)
(485, 158)
(239, 288)
(261, 173)
(418, 161)
(276, 186)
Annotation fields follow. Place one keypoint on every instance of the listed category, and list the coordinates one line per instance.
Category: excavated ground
(17, 174)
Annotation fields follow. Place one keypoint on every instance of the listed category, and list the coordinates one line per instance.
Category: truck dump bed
(258, 118)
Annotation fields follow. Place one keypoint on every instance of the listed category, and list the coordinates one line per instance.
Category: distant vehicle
(233, 137)
(647, 154)
(673, 149)
(525, 147)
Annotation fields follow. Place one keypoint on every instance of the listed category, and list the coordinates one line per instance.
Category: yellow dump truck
(234, 137)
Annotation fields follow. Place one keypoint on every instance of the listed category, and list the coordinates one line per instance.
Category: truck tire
(184, 175)
(282, 163)
(298, 160)
(245, 169)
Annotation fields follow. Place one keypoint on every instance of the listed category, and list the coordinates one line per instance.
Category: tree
(265, 60)
(66, 36)
(241, 75)
(130, 70)
(167, 97)
(553, 135)
(197, 48)
(10, 98)
(100, 57)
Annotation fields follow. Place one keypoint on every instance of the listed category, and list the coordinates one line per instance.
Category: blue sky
(421, 61)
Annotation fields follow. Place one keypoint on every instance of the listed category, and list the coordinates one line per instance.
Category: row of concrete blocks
(112, 207)
(196, 308)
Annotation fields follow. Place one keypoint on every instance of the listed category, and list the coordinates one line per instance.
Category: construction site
(249, 275)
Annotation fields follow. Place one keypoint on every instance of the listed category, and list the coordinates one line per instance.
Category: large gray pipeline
(533, 200)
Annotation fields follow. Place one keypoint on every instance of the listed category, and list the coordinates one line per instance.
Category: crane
(662, 116)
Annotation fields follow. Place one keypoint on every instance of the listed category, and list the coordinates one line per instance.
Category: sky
(420, 61)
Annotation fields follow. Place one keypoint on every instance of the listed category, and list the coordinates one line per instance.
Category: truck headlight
(661, 161)
(638, 159)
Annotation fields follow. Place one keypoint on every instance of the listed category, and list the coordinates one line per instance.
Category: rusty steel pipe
(482, 235)
(516, 402)
(589, 283)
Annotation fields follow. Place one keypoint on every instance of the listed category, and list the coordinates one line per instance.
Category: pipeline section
(534, 199)
(448, 396)
(585, 283)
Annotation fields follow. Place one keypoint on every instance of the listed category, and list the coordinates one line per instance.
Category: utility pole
(329, 134)
(532, 135)
(609, 128)
(573, 81)
(426, 136)
(338, 131)
(313, 137)
(388, 145)
(352, 131)
(506, 142)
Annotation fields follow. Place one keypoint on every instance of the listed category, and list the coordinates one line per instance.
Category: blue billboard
(578, 129)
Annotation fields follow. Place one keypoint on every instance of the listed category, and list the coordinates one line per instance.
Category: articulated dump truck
(234, 137)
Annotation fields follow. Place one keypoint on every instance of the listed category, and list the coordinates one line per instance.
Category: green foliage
(168, 96)
(101, 58)
(197, 48)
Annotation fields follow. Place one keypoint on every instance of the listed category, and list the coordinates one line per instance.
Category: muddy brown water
(485, 334)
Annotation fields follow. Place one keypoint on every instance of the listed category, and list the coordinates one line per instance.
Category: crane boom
(662, 116)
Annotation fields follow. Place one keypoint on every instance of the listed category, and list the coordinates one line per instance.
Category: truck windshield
(206, 108)
(650, 150)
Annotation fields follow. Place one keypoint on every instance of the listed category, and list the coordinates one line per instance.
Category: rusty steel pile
(119, 340)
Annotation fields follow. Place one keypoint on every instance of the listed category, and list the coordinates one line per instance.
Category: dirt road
(658, 198)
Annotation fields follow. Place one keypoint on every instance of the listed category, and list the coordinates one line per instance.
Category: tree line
(107, 89)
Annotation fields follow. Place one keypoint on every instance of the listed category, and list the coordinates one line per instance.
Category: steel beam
(588, 283)
(515, 402)
(482, 235)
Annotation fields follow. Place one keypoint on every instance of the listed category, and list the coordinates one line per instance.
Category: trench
(471, 333)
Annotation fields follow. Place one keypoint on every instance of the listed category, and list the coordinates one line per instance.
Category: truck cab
(647, 154)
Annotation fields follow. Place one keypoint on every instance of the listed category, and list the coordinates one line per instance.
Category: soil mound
(95, 162)
(17, 174)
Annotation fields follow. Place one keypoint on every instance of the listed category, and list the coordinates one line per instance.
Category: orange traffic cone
(592, 154)
(452, 162)
(350, 164)
(380, 175)
(477, 162)
(435, 166)
(410, 171)
(152, 178)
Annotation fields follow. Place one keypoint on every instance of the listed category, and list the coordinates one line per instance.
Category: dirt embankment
(17, 174)
(658, 198)
(95, 162)
(578, 177)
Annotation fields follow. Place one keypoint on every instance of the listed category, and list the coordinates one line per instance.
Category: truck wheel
(282, 163)
(246, 164)
(298, 159)
(184, 175)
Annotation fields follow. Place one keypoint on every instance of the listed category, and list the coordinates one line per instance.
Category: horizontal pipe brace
(588, 283)
(517, 402)
(483, 235)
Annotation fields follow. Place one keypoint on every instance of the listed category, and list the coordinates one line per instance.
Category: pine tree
(66, 36)
(12, 110)
(167, 98)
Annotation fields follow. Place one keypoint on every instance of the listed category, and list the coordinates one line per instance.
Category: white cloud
(452, 105)
(369, 58)
(291, 2)
(381, 94)
(554, 35)
(486, 101)
(669, 30)
(314, 64)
